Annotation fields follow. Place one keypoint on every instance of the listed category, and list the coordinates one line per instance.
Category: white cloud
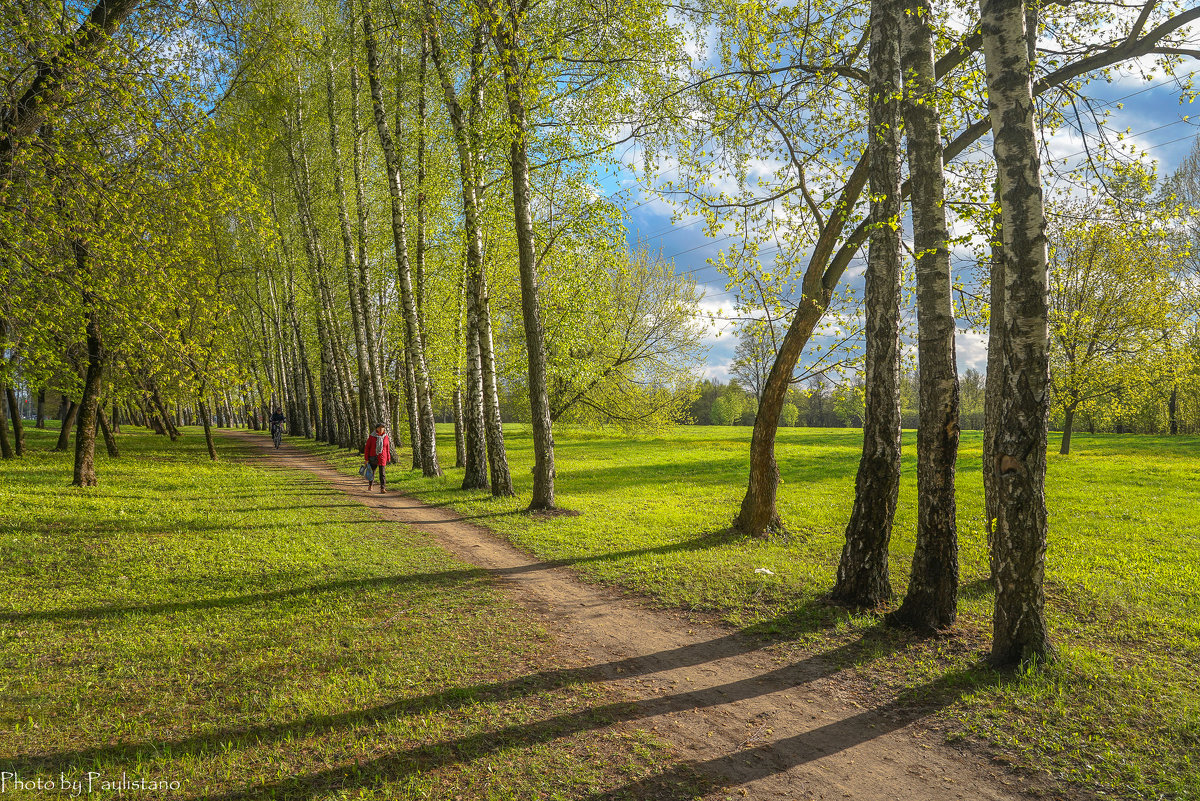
(972, 350)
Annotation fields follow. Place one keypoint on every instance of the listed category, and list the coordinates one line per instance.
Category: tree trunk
(371, 413)
(14, 410)
(6, 448)
(168, 426)
(505, 35)
(40, 422)
(1068, 426)
(110, 442)
(64, 433)
(1172, 410)
(335, 376)
(208, 437)
(306, 395)
(85, 432)
(375, 369)
(483, 408)
(863, 579)
(1019, 445)
(475, 463)
(410, 404)
(116, 418)
(415, 336)
(501, 476)
(758, 515)
(460, 445)
(931, 602)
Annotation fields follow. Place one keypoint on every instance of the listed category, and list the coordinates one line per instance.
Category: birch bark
(863, 579)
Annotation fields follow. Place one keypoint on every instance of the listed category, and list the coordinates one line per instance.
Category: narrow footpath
(764, 728)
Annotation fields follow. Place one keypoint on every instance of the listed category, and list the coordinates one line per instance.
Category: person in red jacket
(378, 453)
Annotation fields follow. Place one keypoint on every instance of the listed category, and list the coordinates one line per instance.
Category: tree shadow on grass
(442, 579)
(439, 579)
(364, 773)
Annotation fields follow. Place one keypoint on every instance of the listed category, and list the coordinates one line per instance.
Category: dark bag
(373, 460)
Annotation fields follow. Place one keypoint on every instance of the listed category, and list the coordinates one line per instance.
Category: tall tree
(1019, 448)
(415, 349)
(507, 29)
(931, 602)
(862, 578)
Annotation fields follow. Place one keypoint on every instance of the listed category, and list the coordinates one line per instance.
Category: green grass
(250, 633)
(1118, 712)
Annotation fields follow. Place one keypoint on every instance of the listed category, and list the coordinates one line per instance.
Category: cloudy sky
(1151, 110)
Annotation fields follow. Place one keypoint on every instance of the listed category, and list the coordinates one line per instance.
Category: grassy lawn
(249, 633)
(1119, 712)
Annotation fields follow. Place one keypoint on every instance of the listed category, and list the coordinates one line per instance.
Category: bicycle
(277, 433)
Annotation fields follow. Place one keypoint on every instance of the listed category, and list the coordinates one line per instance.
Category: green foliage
(623, 342)
(789, 414)
(727, 409)
(1113, 299)
(1117, 714)
(849, 404)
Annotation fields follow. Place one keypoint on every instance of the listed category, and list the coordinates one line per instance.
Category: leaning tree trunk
(110, 442)
(167, 423)
(1019, 445)
(422, 210)
(505, 35)
(85, 432)
(863, 579)
(64, 433)
(931, 602)
(415, 336)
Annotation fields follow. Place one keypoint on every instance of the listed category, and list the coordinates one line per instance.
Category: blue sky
(1152, 112)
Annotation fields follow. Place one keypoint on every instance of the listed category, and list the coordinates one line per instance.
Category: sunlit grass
(251, 633)
(1119, 711)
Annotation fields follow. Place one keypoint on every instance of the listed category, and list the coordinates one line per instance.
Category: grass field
(1118, 713)
(250, 633)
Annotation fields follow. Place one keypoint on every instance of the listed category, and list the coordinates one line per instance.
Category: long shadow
(399, 764)
(444, 578)
(462, 518)
(781, 755)
(434, 579)
(714, 472)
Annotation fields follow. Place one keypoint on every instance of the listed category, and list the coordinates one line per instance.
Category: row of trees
(387, 210)
(933, 82)
(241, 265)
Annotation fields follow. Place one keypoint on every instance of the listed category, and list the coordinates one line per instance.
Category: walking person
(378, 453)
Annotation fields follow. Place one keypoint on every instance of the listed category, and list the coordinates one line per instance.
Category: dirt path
(765, 728)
